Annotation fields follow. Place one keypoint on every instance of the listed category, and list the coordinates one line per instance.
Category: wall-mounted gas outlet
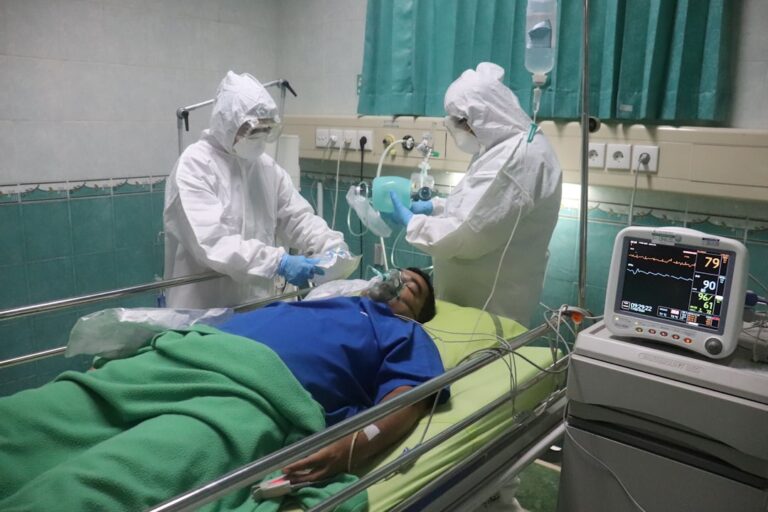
(596, 155)
(378, 254)
(618, 156)
(645, 158)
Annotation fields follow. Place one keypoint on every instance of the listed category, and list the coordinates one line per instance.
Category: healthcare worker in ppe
(229, 207)
(510, 185)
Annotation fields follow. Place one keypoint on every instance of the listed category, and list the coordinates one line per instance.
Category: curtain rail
(254, 471)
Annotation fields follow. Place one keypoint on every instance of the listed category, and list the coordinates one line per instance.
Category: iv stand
(182, 113)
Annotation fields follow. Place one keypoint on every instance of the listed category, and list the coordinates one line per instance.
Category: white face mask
(250, 149)
(466, 142)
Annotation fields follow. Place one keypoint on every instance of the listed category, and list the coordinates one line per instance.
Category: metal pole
(60, 350)
(102, 296)
(251, 473)
(413, 454)
(584, 160)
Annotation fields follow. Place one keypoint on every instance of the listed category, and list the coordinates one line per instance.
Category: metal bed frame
(471, 481)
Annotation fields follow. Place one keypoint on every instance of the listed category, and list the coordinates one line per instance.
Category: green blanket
(140, 430)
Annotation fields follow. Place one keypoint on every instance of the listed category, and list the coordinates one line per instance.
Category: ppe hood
(490, 107)
(238, 99)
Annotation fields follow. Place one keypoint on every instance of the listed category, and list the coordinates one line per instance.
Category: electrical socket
(351, 140)
(368, 134)
(596, 155)
(321, 137)
(618, 157)
(653, 158)
(337, 137)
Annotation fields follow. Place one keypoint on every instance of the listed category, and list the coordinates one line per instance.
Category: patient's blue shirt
(348, 352)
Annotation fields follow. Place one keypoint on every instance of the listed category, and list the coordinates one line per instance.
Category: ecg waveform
(640, 271)
(663, 261)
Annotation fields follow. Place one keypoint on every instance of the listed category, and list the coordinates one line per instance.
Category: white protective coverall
(228, 214)
(467, 232)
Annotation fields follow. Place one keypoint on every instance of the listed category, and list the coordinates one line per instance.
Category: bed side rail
(255, 471)
(56, 305)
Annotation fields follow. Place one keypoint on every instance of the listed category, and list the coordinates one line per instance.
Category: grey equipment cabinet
(672, 431)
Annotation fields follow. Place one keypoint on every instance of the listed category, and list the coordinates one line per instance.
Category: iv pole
(182, 113)
(585, 129)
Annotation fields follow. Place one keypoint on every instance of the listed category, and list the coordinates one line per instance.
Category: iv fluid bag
(540, 36)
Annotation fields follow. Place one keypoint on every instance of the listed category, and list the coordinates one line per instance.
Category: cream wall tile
(675, 160)
(737, 166)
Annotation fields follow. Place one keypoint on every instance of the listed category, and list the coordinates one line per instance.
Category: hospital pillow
(455, 324)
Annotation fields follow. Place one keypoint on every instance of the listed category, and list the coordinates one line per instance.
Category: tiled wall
(70, 241)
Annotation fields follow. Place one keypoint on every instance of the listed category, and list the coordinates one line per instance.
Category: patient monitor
(677, 286)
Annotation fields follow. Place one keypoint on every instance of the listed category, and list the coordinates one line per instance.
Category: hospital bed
(492, 427)
(455, 459)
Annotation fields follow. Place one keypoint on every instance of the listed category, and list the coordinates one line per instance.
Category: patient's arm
(333, 458)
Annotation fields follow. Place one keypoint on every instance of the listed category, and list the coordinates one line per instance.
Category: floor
(538, 486)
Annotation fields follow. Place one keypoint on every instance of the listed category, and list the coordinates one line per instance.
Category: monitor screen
(675, 284)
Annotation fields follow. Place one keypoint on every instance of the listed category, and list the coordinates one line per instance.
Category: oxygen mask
(385, 286)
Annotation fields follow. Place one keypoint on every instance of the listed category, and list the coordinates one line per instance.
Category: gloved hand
(422, 207)
(401, 215)
(298, 270)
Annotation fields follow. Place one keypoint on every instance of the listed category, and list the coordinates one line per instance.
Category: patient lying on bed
(198, 403)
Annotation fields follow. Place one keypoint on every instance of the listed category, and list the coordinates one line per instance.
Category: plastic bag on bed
(338, 288)
(119, 332)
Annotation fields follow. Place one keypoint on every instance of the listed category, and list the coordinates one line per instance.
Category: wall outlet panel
(653, 158)
(618, 157)
(596, 155)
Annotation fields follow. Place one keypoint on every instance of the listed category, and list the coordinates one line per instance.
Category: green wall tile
(157, 200)
(46, 229)
(135, 265)
(599, 251)
(133, 221)
(11, 235)
(15, 340)
(563, 250)
(758, 267)
(13, 286)
(92, 225)
(94, 272)
(50, 280)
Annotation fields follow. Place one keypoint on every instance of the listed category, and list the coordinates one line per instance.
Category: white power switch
(618, 157)
(596, 155)
(645, 158)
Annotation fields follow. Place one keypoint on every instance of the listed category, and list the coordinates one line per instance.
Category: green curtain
(655, 61)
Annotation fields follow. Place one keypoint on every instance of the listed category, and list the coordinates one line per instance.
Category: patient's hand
(325, 463)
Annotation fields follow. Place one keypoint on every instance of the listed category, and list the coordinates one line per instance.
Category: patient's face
(412, 297)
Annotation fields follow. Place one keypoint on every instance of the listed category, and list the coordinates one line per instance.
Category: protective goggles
(454, 124)
(264, 128)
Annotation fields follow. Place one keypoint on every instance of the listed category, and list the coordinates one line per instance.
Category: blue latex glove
(298, 270)
(422, 207)
(401, 215)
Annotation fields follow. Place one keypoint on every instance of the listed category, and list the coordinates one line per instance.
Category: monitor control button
(675, 336)
(652, 331)
(688, 340)
(663, 333)
(639, 329)
(713, 346)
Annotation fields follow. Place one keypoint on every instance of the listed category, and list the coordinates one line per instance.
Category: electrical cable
(336, 196)
(630, 213)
